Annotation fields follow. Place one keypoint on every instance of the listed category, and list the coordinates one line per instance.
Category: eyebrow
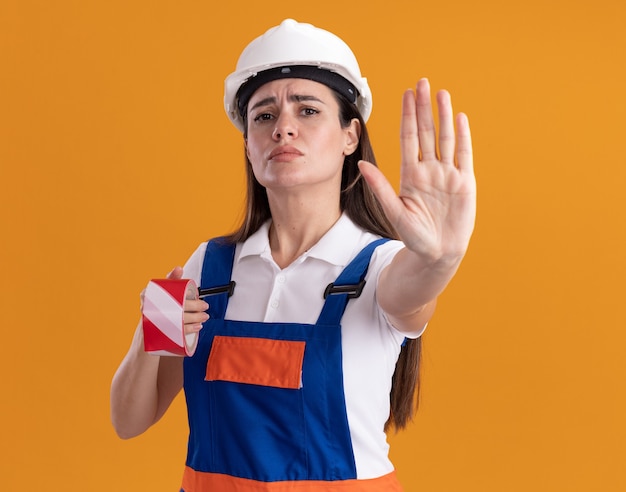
(294, 98)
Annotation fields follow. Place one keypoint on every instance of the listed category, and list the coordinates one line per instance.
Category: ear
(353, 136)
(245, 145)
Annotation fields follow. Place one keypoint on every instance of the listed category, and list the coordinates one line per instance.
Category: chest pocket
(260, 361)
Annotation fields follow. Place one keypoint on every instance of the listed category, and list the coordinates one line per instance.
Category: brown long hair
(360, 204)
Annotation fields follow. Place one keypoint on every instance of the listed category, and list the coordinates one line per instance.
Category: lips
(284, 153)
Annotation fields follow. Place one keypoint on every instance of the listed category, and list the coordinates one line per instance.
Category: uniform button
(274, 303)
(281, 279)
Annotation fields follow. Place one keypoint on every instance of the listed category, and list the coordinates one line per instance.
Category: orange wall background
(117, 160)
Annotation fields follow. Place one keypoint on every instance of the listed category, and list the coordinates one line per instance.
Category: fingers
(176, 274)
(409, 140)
(418, 133)
(446, 127)
(464, 153)
(425, 122)
(194, 315)
(382, 189)
(417, 130)
(195, 306)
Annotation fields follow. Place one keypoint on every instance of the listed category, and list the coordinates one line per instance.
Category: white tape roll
(162, 317)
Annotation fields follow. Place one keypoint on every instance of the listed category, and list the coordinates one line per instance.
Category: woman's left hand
(435, 210)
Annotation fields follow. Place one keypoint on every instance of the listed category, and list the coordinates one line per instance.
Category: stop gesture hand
(435, 209)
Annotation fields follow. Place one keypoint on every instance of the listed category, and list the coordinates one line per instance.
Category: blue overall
(267, 433)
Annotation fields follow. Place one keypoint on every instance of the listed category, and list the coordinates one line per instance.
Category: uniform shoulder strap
(215, 283)
(348, 285)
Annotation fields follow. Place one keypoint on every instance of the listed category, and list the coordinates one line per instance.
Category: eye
(309, 111)
(263, 117)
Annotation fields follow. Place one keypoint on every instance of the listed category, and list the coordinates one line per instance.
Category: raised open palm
(435, 209)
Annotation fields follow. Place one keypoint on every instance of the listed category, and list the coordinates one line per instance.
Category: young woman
(302, 367)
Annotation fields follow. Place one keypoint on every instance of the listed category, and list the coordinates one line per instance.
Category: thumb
(382, 189)
(176, 274)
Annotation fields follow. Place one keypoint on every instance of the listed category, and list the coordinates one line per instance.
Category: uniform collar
(344, 232)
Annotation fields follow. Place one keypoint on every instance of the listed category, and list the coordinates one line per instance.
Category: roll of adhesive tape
(162, 317)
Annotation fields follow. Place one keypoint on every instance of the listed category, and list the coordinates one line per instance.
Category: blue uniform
(265, 400)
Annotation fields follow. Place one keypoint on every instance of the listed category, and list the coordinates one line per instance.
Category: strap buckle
(353, 290)
(211, 291)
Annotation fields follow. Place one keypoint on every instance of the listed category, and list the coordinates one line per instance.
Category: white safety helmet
(295, 50)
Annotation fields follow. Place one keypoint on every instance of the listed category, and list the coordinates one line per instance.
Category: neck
(297, 225)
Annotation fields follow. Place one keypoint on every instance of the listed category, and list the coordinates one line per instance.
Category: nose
(285, 127)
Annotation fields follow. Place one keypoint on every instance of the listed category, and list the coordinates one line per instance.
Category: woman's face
(295, 140)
